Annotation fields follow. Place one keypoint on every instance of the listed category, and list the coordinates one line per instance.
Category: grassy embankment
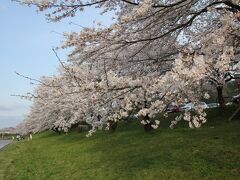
(211, 152)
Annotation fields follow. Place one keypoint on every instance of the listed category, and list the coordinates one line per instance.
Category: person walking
(30, 136)
(18, 137)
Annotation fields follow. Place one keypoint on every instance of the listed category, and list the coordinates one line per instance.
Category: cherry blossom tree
(155, 53)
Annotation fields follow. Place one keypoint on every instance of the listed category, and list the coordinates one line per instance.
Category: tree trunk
(56, 130)
(147, 127)
(112, 126)
(220, 97)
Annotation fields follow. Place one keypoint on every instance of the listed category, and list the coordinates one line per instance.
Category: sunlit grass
(211, 152)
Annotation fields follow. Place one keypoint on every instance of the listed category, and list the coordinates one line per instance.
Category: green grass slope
(211, 152)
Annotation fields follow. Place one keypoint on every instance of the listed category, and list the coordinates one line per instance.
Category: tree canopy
(155, 53)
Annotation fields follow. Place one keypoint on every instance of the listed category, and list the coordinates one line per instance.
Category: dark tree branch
(67, 69)
(231, 4)
(178, 27)
(36, 80)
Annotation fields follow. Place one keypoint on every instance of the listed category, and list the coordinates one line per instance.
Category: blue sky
(26, 40)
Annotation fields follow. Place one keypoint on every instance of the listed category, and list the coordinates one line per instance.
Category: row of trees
(157, 52)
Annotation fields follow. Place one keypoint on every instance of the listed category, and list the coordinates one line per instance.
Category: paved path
(4, 143)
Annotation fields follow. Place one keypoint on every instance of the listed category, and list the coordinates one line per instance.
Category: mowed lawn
(211, 152)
